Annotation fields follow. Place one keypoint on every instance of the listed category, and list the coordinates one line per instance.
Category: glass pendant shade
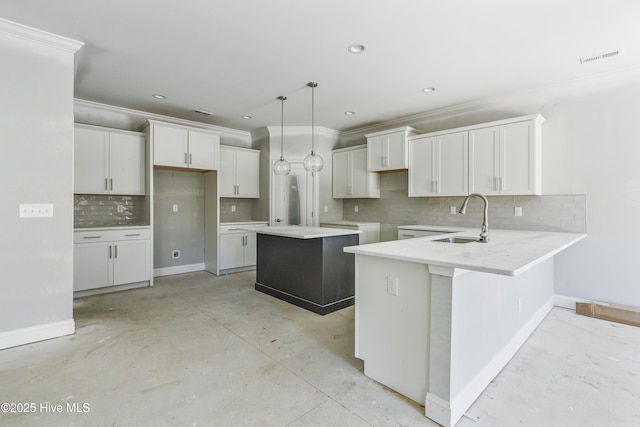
(282, 167)
(313, 162)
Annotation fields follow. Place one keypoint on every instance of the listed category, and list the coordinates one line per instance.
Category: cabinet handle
(190, 158)
(116, 251)
(106, 184)
(92, 237)
(110, 251)
(185, 159)
(408, 235)
(495, 183)
(131, 235)
(111, 182)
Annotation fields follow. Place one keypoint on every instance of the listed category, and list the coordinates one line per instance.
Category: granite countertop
(508, 252)
(303, 232)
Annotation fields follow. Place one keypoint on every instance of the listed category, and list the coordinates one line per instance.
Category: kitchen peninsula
(307, 266)
(437, 321)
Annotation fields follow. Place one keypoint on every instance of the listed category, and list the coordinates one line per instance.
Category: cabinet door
(396, 151)
(227, 172)
(231, 251)
(422, 167)
(342, 183)
(127, 164)
(363, 183)
(484, 161)
(248, 174)
(203, 150)
(90, 161)
(92, 265)
(452, 164)
(130, 261)
(250, 249)
(170, 146)
(376, 153)
(517, 159)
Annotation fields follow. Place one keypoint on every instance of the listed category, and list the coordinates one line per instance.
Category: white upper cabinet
(351, 179)
(438, 165)
(387, 150)
(183, 147)
(497, 158)
(506, 159)
(239, 173)
(108, 161)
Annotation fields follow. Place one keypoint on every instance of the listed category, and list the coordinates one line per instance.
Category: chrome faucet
(484, 232)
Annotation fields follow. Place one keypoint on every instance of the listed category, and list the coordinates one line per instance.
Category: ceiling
(235, 57)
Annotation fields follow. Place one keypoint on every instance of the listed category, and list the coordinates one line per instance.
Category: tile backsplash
(235, 210)
(90, 210)
(540, 213)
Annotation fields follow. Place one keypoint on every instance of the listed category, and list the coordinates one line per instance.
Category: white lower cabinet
(238, 244)
(103, 258)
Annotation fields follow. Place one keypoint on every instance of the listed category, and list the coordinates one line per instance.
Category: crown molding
(303, 130)
(142, 117)
(19, 31)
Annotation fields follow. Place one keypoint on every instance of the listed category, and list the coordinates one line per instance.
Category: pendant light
(313, 162)
(282, 167)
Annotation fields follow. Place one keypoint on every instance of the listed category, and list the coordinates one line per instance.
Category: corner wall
(36, 166)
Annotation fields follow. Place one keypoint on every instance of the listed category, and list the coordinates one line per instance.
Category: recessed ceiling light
(158, 96)
(428, 89)
(247, 117)
(356, 48)
(349, 113)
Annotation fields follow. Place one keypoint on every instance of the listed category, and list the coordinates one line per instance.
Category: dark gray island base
(308, 270)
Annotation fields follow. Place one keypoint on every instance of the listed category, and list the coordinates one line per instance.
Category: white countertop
(115, 227)
(348, 222)
(508, 252)
(302, 232)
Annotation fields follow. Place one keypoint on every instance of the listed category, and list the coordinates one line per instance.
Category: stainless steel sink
(455, 240)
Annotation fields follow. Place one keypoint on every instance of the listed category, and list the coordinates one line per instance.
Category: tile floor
(201, 350)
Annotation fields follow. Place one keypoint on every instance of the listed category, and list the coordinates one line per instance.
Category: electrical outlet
(36, 210)
(326, 208)
(453, 210)
(517, 211)
(355, 208)
(175, 254)
(120, 208)
(392, 285)
(233, 208)
(175, 208)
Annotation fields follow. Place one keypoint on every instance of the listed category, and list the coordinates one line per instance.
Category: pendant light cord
(282, 98)
(312, 85)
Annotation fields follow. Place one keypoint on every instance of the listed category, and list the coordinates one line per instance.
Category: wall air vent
(204, 113)
(587, 59)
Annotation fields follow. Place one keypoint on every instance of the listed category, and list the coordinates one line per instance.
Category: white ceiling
(235, 57)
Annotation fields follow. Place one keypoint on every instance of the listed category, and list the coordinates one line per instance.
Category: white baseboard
(179, 269)
(36, 333)
(566, 302)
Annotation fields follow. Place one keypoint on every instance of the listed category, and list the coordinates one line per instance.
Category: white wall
(36, 164)
(592, 146)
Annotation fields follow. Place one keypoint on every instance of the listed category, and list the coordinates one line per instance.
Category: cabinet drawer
(111, 235)
(241, 227)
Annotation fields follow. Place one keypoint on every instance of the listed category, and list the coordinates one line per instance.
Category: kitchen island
(307, 266)
(437, 321)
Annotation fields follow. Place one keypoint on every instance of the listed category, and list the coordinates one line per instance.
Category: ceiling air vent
(204, 113)
(600, 56)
